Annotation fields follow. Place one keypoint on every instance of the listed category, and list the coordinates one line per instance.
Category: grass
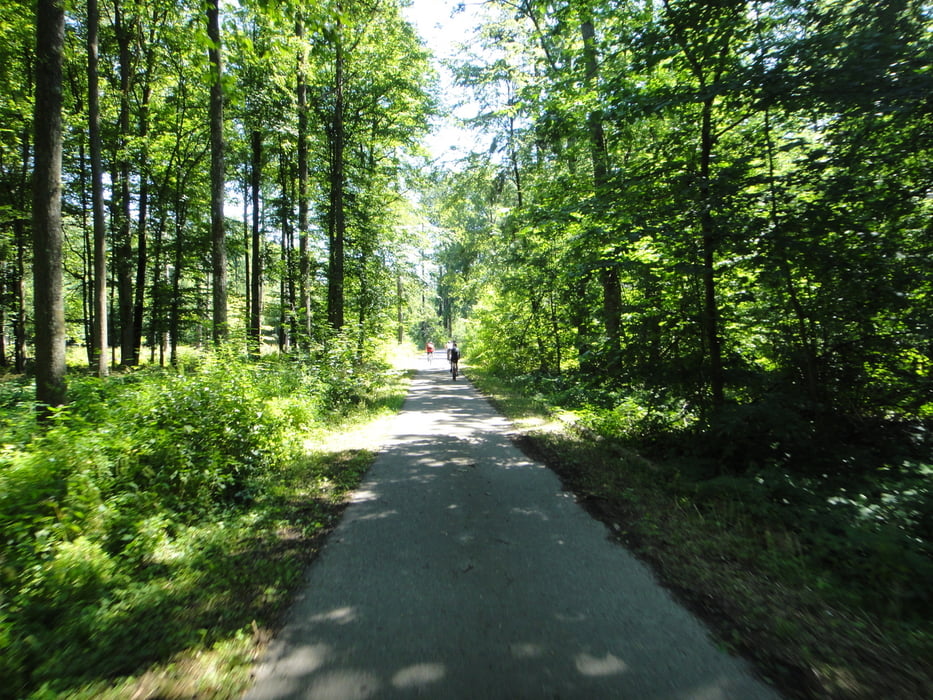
(749, 578)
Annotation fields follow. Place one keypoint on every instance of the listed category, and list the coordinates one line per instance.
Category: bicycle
(453, 357)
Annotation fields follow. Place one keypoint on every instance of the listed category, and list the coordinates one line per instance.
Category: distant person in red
(429, 349)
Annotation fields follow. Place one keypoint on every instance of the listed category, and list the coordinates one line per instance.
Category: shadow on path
(462, 570)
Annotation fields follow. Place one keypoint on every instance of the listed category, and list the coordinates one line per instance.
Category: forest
(700, 237)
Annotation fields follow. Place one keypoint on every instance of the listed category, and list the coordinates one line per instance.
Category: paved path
(462, 570)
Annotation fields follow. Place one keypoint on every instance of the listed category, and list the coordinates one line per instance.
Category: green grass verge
(747, 577)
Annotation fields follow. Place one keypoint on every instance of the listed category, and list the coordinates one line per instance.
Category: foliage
(756, 239)
(133, 516)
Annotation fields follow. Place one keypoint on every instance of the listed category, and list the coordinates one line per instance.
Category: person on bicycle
(453, 355)
(429, 349)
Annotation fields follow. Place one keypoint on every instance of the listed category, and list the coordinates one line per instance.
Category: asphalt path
(463, 570)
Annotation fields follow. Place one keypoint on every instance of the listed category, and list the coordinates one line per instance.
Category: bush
(198, 441)
(93, 507)
(343, 374)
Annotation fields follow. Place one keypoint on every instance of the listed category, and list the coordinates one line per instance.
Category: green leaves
(142, 512)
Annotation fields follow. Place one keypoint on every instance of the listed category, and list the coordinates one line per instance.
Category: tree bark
(174, 320)
(337, 223)
(255, 314)
(51, 388)
(609, 274)
(304, 263)
(142, 253)
(99, 310)
(218, 237)
(122, 210)
(710, 242)
(19, 290)
(289, 322)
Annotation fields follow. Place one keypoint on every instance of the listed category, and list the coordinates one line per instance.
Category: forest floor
(806, 645)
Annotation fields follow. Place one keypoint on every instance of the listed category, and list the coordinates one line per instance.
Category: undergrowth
(165, 517)
(824, 581)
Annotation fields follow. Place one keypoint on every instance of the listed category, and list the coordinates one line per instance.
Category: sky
(443, 30)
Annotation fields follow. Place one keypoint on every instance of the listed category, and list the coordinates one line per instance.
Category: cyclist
(453, 355)
(429, 349)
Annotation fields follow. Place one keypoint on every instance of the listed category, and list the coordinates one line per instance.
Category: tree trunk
(247, 246)
(710, 241)
(99, 310)
(21, 241)
(122, 207)
(19, 290)
(47, 209)
(337, 223)
(142, 226)
(255, 314)
(287, 295)
(304, 264)
(398, 307)
(174, 309)
(157, 322)
(609, 275)
(218, 237)
(87, 258)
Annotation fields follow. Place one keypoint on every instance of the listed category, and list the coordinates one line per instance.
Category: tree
(47, 208)
(304, 264)
(337, 216)
(608, 274)
(99, 314)
(218, 179)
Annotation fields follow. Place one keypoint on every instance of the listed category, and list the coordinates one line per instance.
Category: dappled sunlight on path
(462, 570)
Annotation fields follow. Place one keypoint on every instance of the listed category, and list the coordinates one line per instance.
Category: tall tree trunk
(4, 298)
(142, 225)
(337, 222)
(710, 242)
(247, 245)
(174, 320)
(157, 322)
(400, 331)
(609, 274)
(87, 258)
(304, 263)
(123, 248)
(21, 241)
(218, 237)
(513, 161)
(19, 290)
(47, 208)
(288, 253)
(99, 311)
(255, 315)
(708, 59)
